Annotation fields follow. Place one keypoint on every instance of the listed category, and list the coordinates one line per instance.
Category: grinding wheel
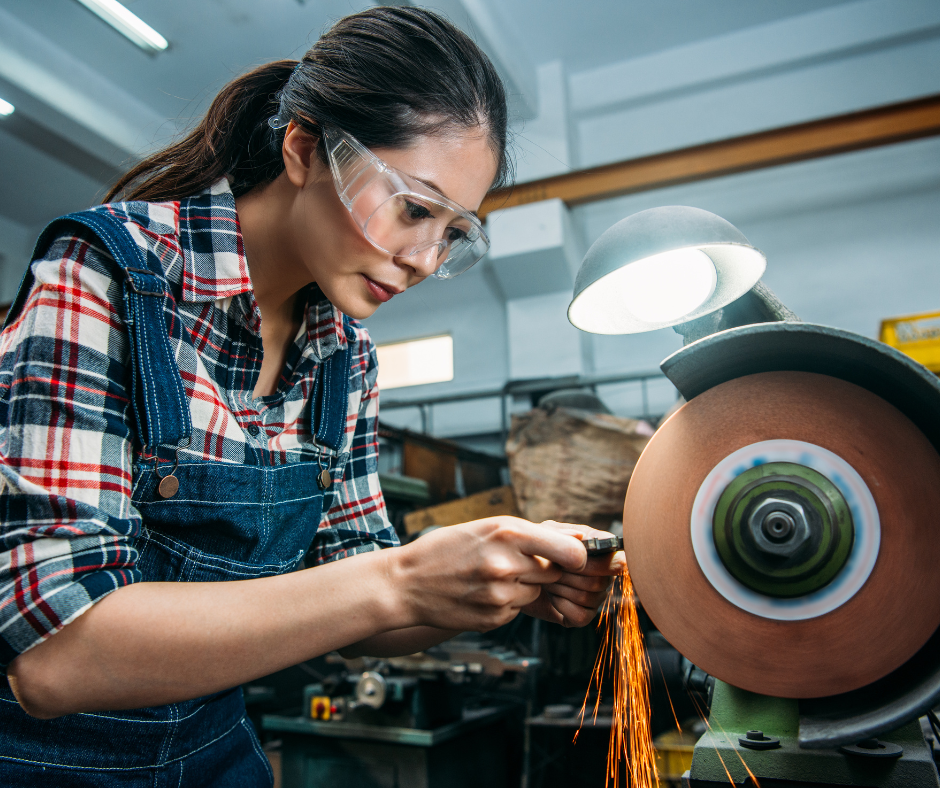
(810, 449)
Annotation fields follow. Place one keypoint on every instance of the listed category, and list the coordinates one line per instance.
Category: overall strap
(159, 399)
(329, 426)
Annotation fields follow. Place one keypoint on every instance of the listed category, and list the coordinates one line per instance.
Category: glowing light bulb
(6, 108)
(666, 286)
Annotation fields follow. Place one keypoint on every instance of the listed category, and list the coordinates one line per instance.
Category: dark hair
(385, 75)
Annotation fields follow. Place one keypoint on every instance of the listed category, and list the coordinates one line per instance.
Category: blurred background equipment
(441, 718)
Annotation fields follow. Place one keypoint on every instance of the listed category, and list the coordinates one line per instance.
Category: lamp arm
(757, 305)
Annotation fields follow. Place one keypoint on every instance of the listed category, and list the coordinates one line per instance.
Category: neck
(276, 272)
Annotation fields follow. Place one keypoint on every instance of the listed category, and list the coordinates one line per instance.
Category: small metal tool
(602, 545)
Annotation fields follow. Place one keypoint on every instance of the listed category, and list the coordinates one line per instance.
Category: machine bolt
(779, 527)
(755, 740)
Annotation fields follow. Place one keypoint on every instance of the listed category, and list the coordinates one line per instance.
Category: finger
(505, 594)
(608, 565)
(526, 569)
(591, 599)
(574, 615)
(543, 609)
(565, 550)
(576, 529)
(585, 582)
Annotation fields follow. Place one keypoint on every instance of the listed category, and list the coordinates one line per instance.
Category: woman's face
(355, 275)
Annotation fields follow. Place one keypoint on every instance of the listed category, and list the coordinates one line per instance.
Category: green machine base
(771, 754)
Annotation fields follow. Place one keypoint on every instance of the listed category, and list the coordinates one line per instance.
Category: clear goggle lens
(401, 215)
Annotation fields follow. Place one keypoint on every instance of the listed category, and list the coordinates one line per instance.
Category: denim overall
(225, 522)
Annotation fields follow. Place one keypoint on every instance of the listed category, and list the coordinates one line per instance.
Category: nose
(426, 261)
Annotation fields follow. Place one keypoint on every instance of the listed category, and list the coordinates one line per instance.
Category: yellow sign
(917, 336)
(320, 707)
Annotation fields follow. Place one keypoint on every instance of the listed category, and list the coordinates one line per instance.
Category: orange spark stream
(622, 655)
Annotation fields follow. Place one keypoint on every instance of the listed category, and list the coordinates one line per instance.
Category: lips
(381, 292)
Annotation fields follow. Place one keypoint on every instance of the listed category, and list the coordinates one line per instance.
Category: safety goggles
(399, 214)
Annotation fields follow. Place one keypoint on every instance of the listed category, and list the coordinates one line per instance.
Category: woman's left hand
(573, 600)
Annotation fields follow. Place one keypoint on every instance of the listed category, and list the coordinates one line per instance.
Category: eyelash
(416, 211)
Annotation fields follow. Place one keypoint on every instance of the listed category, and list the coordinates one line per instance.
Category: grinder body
(780, 531)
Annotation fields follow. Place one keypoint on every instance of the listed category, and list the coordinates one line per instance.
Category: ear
(299, 150)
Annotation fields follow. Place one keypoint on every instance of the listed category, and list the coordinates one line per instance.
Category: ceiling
(133, 101)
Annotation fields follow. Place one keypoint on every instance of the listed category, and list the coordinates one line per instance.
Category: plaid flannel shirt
(68, 446)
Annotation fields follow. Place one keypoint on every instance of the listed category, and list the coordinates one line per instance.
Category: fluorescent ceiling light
(6, 108)
(127, 24)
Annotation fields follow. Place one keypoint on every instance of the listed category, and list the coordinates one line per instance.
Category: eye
(454, 235)
(417, 211)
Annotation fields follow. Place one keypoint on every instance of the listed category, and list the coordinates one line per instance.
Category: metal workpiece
(597, 545)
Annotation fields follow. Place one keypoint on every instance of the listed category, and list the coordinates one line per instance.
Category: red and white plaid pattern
(67, 523)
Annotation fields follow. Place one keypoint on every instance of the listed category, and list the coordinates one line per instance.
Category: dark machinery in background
(419, 691)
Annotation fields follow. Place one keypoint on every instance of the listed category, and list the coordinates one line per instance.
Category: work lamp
(662, 267)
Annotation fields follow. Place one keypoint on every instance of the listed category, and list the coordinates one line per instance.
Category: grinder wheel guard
(780, 531)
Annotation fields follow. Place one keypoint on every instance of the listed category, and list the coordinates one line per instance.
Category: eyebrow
(440, 191)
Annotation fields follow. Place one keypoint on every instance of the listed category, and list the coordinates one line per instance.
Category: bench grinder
(781, 526)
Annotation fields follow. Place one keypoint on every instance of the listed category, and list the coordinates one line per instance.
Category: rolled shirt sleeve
(68, 526)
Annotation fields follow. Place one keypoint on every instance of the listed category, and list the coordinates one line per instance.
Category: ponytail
(386, 75)
(234, 139)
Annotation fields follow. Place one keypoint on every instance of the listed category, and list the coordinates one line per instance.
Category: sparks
(623, 655)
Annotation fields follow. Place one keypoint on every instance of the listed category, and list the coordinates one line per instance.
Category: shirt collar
(214, 263)
(215, 267)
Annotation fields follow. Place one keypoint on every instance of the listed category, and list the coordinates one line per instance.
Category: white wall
(16, 242)
(470, 308)
(850, 239)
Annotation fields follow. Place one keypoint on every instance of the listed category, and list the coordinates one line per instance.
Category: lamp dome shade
(662, 267)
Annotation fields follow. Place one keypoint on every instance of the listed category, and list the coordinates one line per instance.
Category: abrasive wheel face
(779, 531)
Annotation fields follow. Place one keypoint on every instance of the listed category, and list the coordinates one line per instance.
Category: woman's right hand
(477, 576)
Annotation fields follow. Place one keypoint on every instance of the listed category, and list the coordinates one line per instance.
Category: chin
(360, 313)
(355, 307)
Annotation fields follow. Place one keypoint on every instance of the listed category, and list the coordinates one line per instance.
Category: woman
(186, 395)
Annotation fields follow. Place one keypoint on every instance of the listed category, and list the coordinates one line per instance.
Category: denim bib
(224, 522)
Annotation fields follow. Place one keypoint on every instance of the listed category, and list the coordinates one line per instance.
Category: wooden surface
(474, 507)
(858, 130)
(437, 468)
(873, 633)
